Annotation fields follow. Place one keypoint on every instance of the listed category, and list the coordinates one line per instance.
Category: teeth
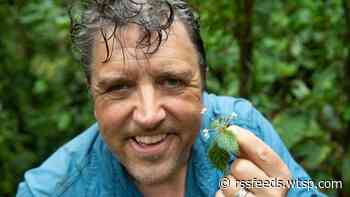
(150, 139)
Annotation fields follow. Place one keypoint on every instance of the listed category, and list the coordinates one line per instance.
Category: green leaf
(346, 172)
(291, 127)
(346, 168)
(346, 114)
(218, 157)
(313, 153)
(300, 90)
(226, 140)
(64, 121)
(40, 86)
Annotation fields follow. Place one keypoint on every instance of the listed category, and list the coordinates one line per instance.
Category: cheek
(111, 116)
(186, 108)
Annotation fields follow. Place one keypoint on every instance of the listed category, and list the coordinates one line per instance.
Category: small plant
(224, 143)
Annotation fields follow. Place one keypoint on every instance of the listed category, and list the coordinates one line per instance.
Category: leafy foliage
(299, 65)
(298, 74)
(43, 97)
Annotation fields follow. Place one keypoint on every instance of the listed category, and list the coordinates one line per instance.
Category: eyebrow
(113, 77)
(185, 74)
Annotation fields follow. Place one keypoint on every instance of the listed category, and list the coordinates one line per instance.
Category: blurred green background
(290, 58)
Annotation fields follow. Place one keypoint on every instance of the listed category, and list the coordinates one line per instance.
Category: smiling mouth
(150, 140)
(151, 145)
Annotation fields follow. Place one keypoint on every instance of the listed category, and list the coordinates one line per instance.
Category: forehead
(178, 50)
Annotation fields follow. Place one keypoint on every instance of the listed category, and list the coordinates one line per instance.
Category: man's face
(148, 109)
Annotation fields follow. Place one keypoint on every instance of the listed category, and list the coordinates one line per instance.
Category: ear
(87, 82)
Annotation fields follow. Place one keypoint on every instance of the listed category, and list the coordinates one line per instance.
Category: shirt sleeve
(301, 180)
(23, 190)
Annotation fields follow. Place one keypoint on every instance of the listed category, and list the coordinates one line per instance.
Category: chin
(153, 173)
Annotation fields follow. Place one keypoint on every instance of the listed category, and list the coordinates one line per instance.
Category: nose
(148, 113)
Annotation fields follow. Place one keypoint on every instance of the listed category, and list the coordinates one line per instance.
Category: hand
(256, 161)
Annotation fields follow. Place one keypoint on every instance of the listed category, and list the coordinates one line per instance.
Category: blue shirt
(85, 167)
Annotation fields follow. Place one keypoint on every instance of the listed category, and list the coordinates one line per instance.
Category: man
(145, 67)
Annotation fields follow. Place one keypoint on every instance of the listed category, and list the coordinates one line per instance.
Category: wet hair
(153, 17)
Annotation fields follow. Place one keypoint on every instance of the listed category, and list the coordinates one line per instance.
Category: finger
(243, 169)
(251, 177)
(254, 149)
(232, 187)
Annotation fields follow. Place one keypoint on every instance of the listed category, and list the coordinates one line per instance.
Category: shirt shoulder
(55, 175)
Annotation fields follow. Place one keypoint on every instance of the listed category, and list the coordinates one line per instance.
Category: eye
(172, 83)
(119, 88)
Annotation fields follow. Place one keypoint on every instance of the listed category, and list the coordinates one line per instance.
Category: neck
(175, 186)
